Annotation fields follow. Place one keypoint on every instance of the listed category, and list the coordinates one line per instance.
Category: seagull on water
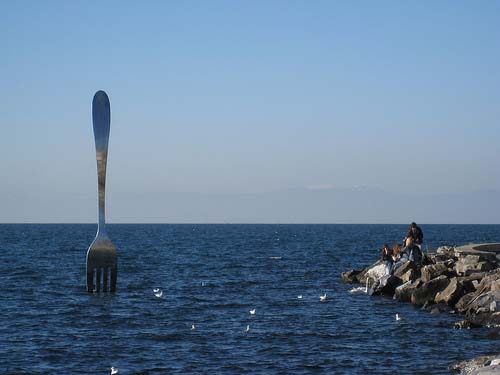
(299, 296)
(247, 329)
(156, 290)
(159, 294)
(398, 317)
(192, 327)
(252, 312)
(322, 298)
(114, 371)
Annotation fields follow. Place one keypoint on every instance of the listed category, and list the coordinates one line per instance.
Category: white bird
(156, 290)
(322, 298)
(299, 296)
(247, 329)
(159, 294)
(114, 371)
(193, 327)
(398, 317)
(252, 312)
(202, 283)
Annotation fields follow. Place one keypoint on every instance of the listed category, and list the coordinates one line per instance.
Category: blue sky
(230, 98)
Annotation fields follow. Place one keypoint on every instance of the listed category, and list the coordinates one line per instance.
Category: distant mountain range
(328, 205)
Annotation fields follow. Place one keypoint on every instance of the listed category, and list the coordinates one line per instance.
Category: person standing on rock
(415, 235)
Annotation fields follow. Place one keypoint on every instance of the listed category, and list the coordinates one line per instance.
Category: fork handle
(101, 117)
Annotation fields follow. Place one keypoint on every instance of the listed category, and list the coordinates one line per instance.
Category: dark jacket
(387, 255)
(416, 236)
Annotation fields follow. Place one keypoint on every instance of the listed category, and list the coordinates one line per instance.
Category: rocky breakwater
(463, 280)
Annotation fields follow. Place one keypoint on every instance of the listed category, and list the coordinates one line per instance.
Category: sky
(248, 103)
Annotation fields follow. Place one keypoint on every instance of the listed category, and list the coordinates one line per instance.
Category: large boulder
(404, 268)
(403, 292)
(485, 310)
(409, 275)
(452, 293)
(470, 264)
(432, 271)
(472, 302)
(374, 272)
(463, 303)
(386, 285)
(472, 281)
(427, 292)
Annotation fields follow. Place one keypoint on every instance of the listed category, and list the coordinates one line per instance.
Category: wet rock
(452, 293)
(432, 271)
(350, 276)
(463, 324)
(427, 292)
(483, 365)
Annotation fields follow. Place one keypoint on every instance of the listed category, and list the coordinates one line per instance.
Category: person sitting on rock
(387, 258)
(412, 251)
(396, 252)
(414, 234)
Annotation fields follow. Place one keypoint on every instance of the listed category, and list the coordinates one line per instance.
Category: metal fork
(101, 256)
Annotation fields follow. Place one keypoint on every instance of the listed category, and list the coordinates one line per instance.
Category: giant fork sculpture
(101, 256)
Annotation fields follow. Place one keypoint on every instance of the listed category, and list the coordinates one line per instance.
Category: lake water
(211, 277)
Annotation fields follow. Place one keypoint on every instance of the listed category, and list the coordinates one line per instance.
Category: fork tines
(101, 279)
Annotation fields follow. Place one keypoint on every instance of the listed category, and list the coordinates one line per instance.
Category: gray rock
(404, 268)
(484, 365)
(464, 302)
(403, 292)
(432, 271)
(472, 263)
(446, 250)
(484, 309)
(427, 292)
(386, 285)
(452, 293)
(350, 276)
(409, 275)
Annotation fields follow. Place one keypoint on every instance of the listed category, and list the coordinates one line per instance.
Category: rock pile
(464, 280)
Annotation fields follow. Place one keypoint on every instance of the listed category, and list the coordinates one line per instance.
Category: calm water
(211, 276)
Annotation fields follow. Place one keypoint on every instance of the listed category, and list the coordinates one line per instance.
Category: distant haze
(262, 111)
